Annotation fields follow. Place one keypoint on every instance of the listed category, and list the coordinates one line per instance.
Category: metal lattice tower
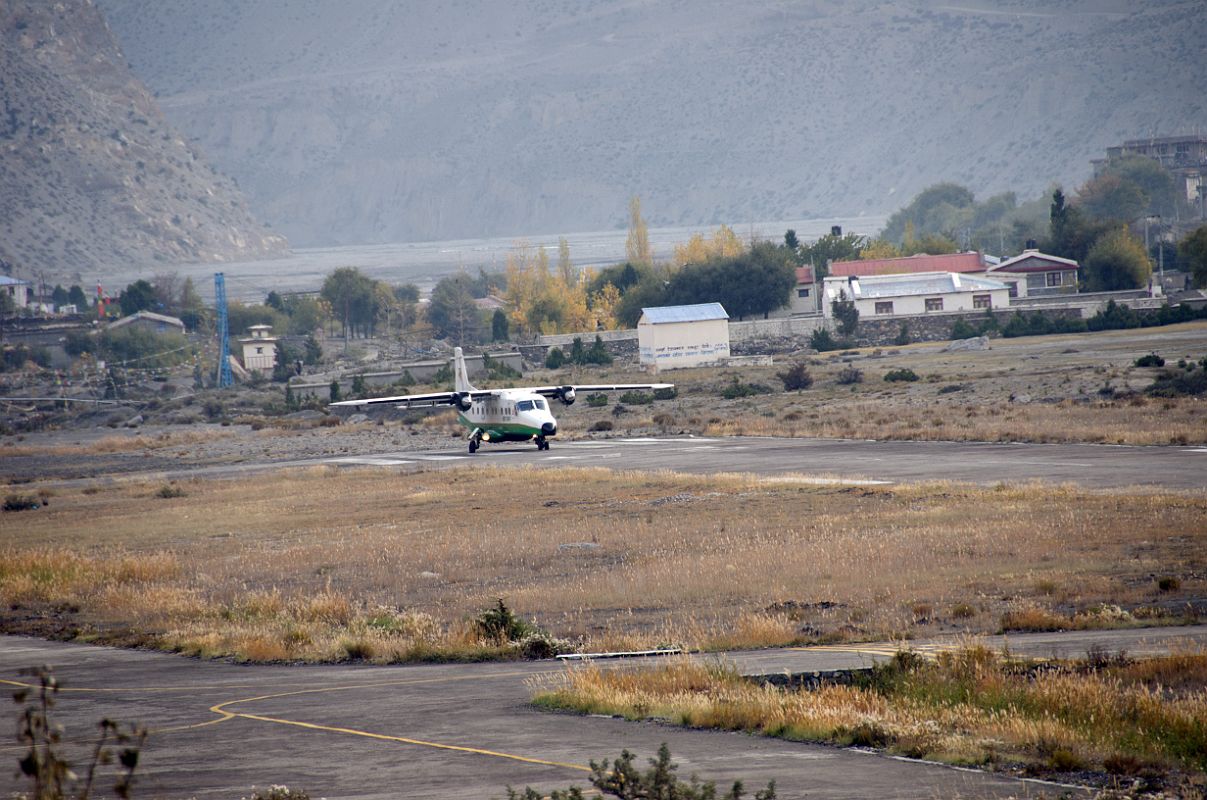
(224, 377)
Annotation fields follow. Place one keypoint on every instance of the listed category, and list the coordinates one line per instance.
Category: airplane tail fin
(460, 375)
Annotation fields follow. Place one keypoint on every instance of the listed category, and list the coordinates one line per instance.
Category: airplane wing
(430, 400)
(558, 391)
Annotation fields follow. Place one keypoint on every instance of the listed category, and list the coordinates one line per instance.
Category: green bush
(555, 358)
(76, 343)
(736, 389)
(962, 330)
(637, 398)
(669, 393)
(596, 400)
(1150, 360)
(903, 337)
(601, 426)
(144, 347)
(822, 341)
(1175, 383)
(898, 375)
(501, 625)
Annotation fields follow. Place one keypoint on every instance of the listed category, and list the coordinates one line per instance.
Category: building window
(885, 307)
(982, 301)
(259, 351)
(934, 304)
(1013, 287)
(1053, 279)
(802, 292)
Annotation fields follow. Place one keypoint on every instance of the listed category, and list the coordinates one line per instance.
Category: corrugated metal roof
(697, 313)
(7, 281)
(948, 262)
(933, 283)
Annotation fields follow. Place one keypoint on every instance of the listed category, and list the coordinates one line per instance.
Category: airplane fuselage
(510, 416)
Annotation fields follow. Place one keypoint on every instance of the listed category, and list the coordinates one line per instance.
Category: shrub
(213, 409)
(77, 343)
(21, 502)
(822, 341)
(962, 330)
(596, 400)
(849, 375)
(1150, 360)
(1179, 384)
(636, 398)
(898, 375)
(622, 779)
(1168, 583)
(903, 336)
(170, 490)
(501, 625)
(601, 426)
(555, 358)
(952, 388)
(666, 394)
(795, 378)
(736, 389)
(358, 386)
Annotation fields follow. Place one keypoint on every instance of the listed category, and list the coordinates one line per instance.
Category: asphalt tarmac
(1088, 465)
(462, 731)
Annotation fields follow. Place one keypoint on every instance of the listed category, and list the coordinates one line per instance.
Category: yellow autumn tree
(603, 307)
(637, 245)
(541, 301)
(879, 248)
(724, 243)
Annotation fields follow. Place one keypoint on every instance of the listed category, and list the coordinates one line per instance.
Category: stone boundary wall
(781, 328)
(937, 327)
(567, 339)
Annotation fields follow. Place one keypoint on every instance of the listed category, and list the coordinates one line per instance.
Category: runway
(849, 460)
(461, 731)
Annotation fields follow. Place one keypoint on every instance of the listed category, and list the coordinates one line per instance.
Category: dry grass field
(1139, 726)
(327, 564)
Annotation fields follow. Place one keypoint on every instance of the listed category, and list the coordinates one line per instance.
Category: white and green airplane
(500, 415)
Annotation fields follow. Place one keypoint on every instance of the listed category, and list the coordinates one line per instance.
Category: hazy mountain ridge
(91, 174)
(375, 121)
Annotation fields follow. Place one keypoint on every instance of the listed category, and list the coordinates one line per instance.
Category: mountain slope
(372, 120)
(91, 175)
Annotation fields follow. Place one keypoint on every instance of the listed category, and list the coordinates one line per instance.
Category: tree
(1151, 178)
(832, 248)
(499, 326)
(1071, 233)
(790, 240)
(167, 292)
(755, 282)
(846, 313)
(192, 309)
(352, 299)
(76, 297)
(637, 245)
(1192, 253)
(59, 296)
(452, 312)
(1117, 261)
(940, 208)
(138, 296)
(407, 293)
(565, 268)
(879, 248)
(724, 243)
(313, 351)
(1109, 196)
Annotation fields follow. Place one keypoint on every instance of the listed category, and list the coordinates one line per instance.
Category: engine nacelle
(463, 401)
(566, 395)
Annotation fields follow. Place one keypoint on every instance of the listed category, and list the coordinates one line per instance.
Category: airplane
(500, 415)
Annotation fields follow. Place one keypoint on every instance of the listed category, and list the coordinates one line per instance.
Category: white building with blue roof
(675, 337)
(18, 290)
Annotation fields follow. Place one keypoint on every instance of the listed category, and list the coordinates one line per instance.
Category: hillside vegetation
(91, 174)
(377, 121)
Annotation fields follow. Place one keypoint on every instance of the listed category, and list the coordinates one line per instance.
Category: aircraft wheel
(473, 446)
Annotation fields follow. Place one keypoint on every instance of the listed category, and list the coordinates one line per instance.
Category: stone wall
(937, 327)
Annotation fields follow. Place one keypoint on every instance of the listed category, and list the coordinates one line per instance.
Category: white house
(673, 337)
(915, 294)
(259, 349)
(18, 290)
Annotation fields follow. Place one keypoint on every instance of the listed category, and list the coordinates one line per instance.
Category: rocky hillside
(373, 120)
(91, 174)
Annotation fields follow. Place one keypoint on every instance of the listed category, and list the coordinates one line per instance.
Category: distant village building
(259, 349)
(805, 295)
(1036, 274)
(148, 321)
(914, 294)
(18, 290)
(969, 263)
(1184, 156)
(673, 337)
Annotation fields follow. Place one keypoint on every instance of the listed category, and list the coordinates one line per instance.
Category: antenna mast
(224, 377)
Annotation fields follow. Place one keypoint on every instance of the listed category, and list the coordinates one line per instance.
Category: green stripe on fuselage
(502, 431)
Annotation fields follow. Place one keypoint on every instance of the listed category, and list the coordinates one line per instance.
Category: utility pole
(224, 376)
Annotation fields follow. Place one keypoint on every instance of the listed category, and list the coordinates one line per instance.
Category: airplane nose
(549, 429)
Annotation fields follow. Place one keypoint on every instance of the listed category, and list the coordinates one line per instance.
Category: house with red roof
(970, 263)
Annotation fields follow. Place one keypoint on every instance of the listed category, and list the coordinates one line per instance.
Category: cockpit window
(539, 404)
(523, 405)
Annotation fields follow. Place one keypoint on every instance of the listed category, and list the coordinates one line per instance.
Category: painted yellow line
(406, 740)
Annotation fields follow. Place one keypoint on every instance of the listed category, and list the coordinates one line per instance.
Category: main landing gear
(542, 443)
(475, 439)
